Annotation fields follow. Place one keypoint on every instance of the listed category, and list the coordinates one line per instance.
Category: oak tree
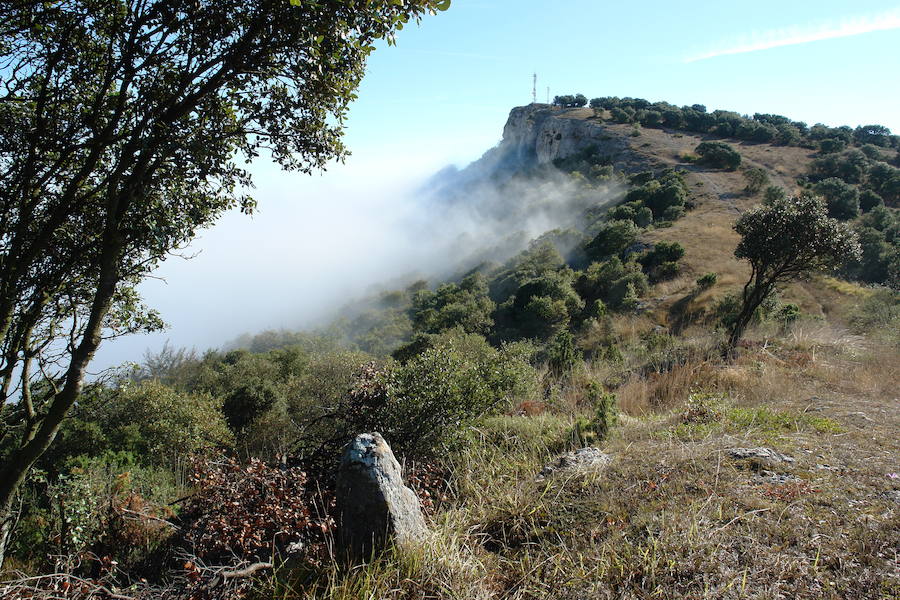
(125, 127)
(784, 240)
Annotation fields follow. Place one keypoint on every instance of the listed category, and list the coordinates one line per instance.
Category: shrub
(661, 261)
(105, 505)
(250, 512)
(704, 282)
(612, 239)
(643, 217)
(662, 252)
(877, 312)
(422, 407)
(831, 145)
(541, 307)
(605, 416)
(869, 200)
(665, 271)
(161, 424)
(621, 115)
(756, 178)
(702, 408)
(850, 165)
(561, 355)
(842, 198)
(650, 118)
(787, 313)
(719, 155)
(465, 305)
(672, 213)
(774, 193)
(630, 297)
(609, 281)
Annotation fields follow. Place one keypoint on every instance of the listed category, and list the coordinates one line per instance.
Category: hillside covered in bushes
(608, 330)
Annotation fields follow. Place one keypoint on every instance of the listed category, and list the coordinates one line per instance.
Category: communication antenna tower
(534, 89)
(548, 94)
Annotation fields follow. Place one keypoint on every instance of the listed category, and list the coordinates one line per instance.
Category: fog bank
(316, 244)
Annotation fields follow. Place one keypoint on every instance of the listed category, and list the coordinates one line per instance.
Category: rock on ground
(759, 454)
(582, 459)
(374, 506)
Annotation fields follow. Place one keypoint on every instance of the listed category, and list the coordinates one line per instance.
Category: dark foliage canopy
(124, 126)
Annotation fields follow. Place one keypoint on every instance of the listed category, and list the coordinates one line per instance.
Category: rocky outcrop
(765, 455)
(376, 509)
(540, 134)
(583, 459)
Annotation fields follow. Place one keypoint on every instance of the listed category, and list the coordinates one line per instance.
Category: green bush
(605, 417)
(773, 194)
(756, 178)
(788, 313)
(719, 155)
(561, 355)
(831, 145)
(422, 407)
(609, 281)
(613, 238)
(842, 198)
(152, 422)
(879, 312)
(665, 271)
(106, 505)
(704, 282)
(465, 305)
(661, 262)
(869, 200)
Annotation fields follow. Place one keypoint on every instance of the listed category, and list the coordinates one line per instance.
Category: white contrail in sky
(792, 36)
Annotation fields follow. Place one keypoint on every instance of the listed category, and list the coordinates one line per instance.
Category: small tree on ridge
(785, 240)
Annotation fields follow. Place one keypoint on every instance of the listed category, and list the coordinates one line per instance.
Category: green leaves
(783, 240)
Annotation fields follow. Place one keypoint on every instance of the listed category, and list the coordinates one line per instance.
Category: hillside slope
(542, 134)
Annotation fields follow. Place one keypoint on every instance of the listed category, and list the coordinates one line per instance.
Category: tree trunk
(7, 520)
(18, 462)
(752, 299)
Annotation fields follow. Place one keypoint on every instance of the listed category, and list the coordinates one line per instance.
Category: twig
(247, 571)
(150, 517)
(738, 518)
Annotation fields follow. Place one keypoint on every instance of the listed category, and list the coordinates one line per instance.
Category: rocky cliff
(538, 133)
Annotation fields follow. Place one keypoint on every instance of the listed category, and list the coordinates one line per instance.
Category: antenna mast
(534, 89)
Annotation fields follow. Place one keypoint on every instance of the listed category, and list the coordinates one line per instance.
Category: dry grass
(674, 516)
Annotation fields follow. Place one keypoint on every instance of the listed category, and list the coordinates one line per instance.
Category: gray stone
(583, 459)
(542, 134)
(892, 495)
(375, 508)
(759, 454)
(765, 476)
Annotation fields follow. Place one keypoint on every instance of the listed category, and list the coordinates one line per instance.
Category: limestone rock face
(375, 507)
(541, 134)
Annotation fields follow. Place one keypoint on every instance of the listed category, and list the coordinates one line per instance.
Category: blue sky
(442, 96)
(452, 80)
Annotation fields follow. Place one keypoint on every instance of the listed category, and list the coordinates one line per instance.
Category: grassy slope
(675, 516)
(706, 232)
